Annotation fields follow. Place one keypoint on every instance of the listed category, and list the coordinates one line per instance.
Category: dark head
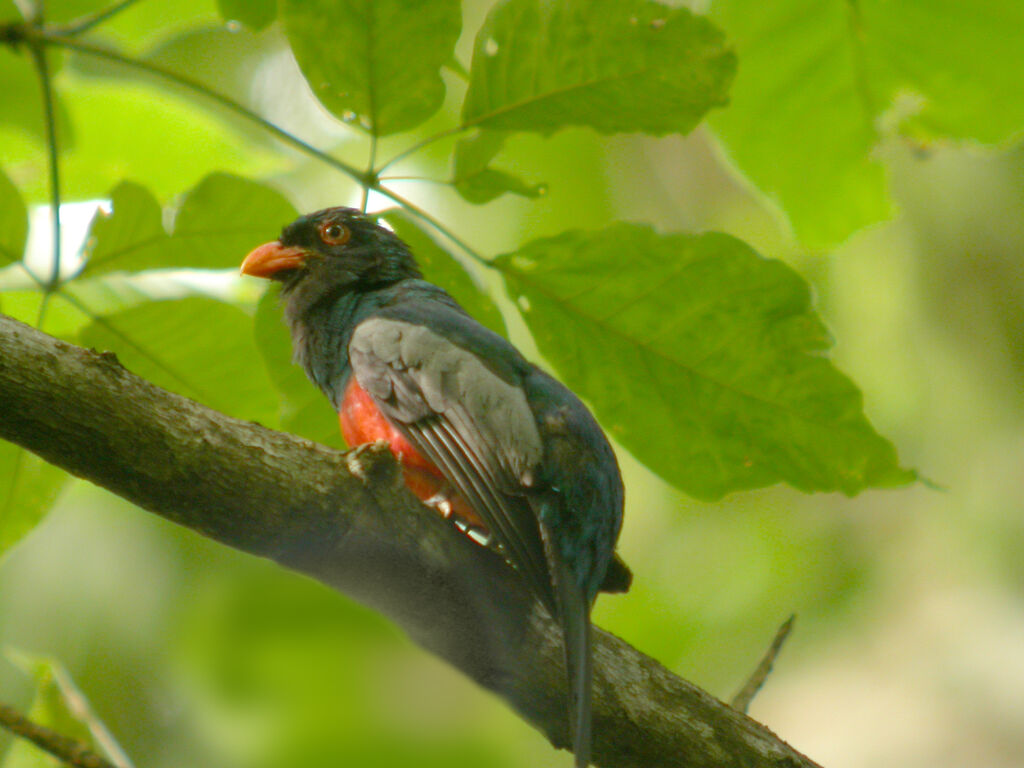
(330, 252)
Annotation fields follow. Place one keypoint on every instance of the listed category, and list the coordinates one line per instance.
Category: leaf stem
(80, 26)
(425, 142)
(46, 83)
(371, 177)
(421, 214)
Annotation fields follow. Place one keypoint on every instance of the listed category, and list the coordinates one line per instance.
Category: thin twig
(419, 213)
(424, 142)
(64, 748)
(49, 111)
(363, 178)
(80, 26)
(741, 701)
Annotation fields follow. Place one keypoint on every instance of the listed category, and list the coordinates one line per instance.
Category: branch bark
(347, 520)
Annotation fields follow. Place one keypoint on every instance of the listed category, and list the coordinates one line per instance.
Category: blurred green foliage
(194, 655)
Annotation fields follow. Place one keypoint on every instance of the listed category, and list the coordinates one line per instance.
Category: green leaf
(28, 488)
(613, 65)
(197, 347)
(224, 217)
(9, 11)
(303, 408)
(217, 223)
(702, 358)
(441, 268)
(376, 60)
(13, 221)
(963, 63)
(475, 181)
(819, 83)
(131, 236)
(255, 14)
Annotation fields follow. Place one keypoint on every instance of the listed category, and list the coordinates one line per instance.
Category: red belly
(362, 422)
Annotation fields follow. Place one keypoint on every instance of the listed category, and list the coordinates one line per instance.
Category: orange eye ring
(333, 233)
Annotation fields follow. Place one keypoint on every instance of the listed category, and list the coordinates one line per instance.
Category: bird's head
(331, 251)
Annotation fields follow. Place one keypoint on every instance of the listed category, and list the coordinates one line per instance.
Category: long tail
(574, 617)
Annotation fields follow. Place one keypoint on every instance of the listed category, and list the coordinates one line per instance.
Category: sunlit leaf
(702, 358)
(613, 65)
(821, 82)
(131, 236)
(9, 11)
(303, 408)
(376, 60)
(255, 14)
(197, 347)
(13, 221)
(142, 131)
(217, 223)
(441, 268)
(479, 183)
(28, 488)
(224, 217)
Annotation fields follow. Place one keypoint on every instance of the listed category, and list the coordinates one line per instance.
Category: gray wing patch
(417, 373)
(473, 425)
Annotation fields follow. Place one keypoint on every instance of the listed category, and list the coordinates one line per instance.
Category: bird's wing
(475, 426)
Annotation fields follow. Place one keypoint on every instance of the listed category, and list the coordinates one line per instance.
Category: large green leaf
(303, 408)
(131, 236)
(441, 268)
(201, 348)
(817, 78)
(473, 177)
(28, 488)
(613, 65)
(13, 221)
(225, 216)
(378, 60)
(216, 224)
(702, 358)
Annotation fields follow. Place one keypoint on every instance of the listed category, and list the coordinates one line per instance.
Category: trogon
(482, 434)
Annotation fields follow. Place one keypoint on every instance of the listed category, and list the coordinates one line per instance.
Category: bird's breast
(362, 422)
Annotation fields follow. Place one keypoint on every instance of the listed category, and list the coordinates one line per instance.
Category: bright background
(909, 643)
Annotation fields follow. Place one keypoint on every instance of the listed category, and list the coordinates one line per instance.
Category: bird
(482, 435)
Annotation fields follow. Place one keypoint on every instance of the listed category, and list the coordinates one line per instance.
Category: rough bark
(347, 520)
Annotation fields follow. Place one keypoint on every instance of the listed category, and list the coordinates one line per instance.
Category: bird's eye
(333, 233)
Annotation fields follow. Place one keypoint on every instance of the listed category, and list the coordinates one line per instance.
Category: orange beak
(270, 258)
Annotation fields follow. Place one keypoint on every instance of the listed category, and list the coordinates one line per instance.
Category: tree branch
(347, 520)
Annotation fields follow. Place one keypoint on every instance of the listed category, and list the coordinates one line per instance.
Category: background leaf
(476, 181)
(13, 221)
(198, 347)
(378, 60)
(442, 268)
(28, 488)
(817, 78)
(131, 236)
(613, 65)
(217, 223)
(700, 357)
